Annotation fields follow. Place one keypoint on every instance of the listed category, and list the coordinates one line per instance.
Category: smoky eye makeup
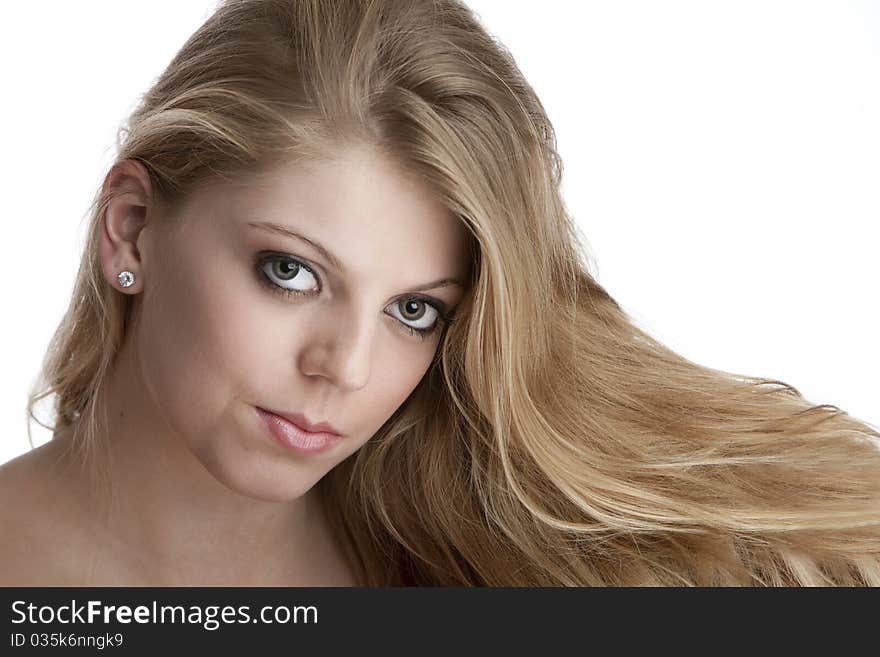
(273, 268)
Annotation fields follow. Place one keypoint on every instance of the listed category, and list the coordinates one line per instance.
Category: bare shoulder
(32, 523)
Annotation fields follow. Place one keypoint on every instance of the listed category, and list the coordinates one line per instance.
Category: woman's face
(221, 329)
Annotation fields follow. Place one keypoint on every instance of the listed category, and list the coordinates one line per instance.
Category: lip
(293, 437)
(302, 422)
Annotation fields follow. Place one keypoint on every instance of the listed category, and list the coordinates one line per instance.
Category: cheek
(388, 388)
(394, 376)
(197, 341)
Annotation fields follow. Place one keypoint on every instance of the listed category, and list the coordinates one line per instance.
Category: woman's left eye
(417, 315)
(416, 309)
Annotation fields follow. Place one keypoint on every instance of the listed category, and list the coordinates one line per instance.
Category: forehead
(353, 181)
(356, 199)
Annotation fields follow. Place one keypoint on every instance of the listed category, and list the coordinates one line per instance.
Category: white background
(722, 159)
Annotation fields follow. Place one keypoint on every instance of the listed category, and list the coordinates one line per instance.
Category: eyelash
(444, 319)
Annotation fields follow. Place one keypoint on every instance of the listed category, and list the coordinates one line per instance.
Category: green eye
(289, 276)
(414, 309)
(279, 270)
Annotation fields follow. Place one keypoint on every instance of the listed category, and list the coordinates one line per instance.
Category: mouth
(303, 423)
(291, 435)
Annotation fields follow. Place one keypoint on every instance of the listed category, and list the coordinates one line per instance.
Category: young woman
(333, 326)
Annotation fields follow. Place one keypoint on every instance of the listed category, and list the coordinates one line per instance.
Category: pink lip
(293, 437)
(302, 422)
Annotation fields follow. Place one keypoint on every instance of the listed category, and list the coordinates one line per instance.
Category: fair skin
(201, 494)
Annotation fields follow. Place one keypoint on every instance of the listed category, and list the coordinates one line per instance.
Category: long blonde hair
(551, 442)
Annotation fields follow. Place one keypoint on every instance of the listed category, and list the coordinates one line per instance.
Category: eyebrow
(287, 232)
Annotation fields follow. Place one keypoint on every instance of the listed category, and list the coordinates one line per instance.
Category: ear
(130, 191)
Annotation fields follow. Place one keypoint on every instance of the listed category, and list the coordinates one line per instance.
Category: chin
(258, 476)
(266, 489)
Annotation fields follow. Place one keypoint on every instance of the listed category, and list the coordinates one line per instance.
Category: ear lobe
(127, 189)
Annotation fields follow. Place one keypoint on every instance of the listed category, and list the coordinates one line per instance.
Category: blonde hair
(551, 441)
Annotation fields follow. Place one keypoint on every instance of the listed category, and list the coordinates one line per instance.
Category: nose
(341, 349)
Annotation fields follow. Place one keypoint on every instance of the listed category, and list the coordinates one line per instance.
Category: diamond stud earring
(126, 279)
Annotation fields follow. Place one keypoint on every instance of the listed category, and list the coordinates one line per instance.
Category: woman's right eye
(288, 275)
